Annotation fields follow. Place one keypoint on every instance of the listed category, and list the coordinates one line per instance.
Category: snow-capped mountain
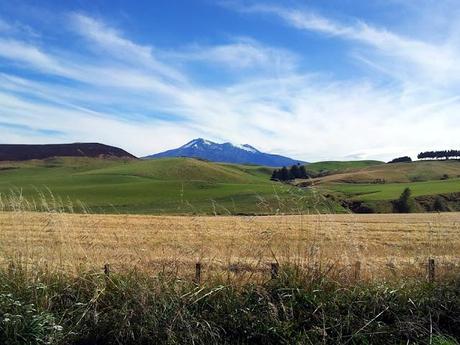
(227, 153)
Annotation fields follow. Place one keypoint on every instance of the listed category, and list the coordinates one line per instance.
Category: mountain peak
(197, 142)
(226, 153)
(250, 148)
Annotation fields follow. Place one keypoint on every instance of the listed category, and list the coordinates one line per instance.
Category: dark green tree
(294, 171)
(275, 175)
(303, 172)
(405, 203)
(284, 174)
(445, 154)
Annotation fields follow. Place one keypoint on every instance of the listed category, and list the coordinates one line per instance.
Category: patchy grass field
(333, 167)
(392, 191)
(386, 245)
(396, 173)
(378, 185)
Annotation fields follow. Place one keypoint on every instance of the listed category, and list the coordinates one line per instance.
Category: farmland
(339, 166)
(131, 279)
(184, 186)
(395, 173)
(106, 251)
(386, 245)
(377, 185)
(391, 191)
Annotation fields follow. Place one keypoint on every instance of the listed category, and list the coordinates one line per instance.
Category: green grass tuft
(296, 308)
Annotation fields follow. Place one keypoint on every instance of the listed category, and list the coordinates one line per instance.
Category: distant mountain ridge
(226, 153)
(23, 152)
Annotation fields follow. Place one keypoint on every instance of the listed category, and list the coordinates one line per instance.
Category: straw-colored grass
(53, 289)
(386, 245)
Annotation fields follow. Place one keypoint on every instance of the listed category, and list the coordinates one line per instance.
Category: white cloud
(83, 125)
(19, 52)
(437, 62)
(17, 28)
(241, 53)
(108, 40)
(112, 79)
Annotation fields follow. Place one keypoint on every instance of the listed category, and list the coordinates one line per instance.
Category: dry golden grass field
(234, 247)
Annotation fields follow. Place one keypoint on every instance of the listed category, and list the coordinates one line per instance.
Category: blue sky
(315, 80)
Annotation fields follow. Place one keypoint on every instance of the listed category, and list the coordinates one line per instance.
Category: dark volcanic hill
(26, 152)
(226, 153)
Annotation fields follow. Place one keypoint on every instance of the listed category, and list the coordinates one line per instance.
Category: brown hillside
(28, 152)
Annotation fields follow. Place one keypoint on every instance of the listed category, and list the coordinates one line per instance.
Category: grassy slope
(397, 173)
(339, 166)
(391, 191)
(424, 178)
(181, 185)
(177, 185)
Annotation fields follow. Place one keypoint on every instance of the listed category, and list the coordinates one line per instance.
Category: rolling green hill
(163, 186)
(192, 186)
(397, 173)
(378, 185)
(391, 191)
(333, 167)
(184, 169)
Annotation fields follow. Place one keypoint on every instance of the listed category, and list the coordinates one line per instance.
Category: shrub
(405, 159)
(405, 204)
(440, 205)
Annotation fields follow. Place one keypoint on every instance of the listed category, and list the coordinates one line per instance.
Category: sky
(314, 80)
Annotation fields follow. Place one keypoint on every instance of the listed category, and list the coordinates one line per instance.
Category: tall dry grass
(47, 232)
(53, 289)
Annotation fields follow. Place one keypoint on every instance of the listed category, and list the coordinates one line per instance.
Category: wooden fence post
(107, 269)
(198, 273)
(357, 271)
(431, 270)
(274, 270)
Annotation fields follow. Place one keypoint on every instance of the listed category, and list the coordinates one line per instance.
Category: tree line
(286, 174)
(445, 154)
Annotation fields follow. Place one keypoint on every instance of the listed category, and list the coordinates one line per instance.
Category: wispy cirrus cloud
(17, 28)
(242, 53)
(435, 61)
(107, 40)
(21, 52)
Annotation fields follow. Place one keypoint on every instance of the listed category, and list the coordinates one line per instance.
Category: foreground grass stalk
(43, 307)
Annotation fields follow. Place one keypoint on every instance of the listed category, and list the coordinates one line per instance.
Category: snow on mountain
(227, 153)
(246, 147)
(197, 142)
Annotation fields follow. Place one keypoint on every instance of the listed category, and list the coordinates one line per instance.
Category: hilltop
(9, 152)
(226, 153)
